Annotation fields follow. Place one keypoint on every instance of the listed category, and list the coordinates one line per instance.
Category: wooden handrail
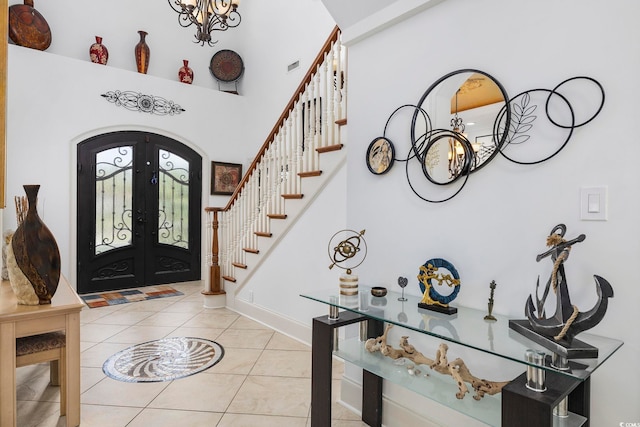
(333, 37)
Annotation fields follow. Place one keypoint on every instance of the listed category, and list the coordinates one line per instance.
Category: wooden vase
(35, 252)
(185, 74)
(142, 53)
(98, 52)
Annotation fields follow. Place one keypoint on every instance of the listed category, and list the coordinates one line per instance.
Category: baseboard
(285, 325)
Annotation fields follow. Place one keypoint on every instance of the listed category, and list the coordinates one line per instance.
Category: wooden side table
(63, 314)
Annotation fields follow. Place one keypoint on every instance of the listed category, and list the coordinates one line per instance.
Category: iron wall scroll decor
(136, 101)
(516, 125)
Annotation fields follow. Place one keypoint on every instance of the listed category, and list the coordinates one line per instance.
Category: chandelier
(208, 16)
(456, 151)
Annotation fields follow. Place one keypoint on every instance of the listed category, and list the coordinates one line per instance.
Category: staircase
(298, 158)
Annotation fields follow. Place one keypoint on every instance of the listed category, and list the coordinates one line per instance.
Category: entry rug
(166, 359)
(131, 295)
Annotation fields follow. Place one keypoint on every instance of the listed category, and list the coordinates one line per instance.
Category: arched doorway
(139, 209)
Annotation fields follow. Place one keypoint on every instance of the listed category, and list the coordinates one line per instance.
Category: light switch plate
(593, 203)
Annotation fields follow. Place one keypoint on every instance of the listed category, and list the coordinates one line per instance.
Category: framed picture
(225, 177)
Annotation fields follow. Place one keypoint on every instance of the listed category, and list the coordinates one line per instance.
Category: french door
(139, 211)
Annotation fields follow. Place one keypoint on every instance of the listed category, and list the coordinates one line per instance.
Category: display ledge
(572, 420)
(435, 386)
(467, 327)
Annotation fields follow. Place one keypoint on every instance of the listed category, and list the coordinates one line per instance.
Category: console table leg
(580, 400)
(321, 363)
(372, 384)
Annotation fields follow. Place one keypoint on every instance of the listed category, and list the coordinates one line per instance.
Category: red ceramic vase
(185, 74)
(98, 52)
(142, 53)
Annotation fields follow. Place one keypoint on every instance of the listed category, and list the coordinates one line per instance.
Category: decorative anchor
(567, 321)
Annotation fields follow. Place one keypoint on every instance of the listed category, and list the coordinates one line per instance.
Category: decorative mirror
(462, 106)
(465, 119)
(380, 156)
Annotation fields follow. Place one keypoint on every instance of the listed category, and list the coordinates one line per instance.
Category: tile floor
(264, 378)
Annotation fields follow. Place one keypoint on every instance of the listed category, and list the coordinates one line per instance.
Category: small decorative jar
(98, 52)
(185, 74)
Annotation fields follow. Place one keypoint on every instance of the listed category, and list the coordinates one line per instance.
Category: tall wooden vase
(34, 256)
(142, 53)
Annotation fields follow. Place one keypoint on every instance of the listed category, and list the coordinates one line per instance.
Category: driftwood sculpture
(457, 369)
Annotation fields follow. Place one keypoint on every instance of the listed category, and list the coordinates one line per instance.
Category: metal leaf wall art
(521, 133)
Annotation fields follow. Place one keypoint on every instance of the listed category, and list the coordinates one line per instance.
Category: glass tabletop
(467, 327)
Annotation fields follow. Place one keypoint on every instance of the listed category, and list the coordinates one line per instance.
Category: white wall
(54, 96)
(55, 103)
(496, 226)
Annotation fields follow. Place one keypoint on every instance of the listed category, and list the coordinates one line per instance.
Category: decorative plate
(27, 27)
(226, 66)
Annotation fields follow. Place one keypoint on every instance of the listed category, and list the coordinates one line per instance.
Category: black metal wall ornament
(514, 130)
(136, 101)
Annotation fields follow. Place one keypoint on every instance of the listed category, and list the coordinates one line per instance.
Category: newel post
(215, 278)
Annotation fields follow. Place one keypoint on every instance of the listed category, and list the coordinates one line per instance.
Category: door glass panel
(173, 200)
(113, 198)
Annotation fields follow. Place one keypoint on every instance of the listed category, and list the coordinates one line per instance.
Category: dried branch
(457, 369)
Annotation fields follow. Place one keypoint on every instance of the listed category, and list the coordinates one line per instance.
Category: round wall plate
(226, 66)
(28, 28)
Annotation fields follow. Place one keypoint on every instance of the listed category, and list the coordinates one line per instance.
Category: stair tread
(263, 234)
(229, 278)
(251, 250)
(341, 122)
(277, 216)
(292, 196)
(329, 148)
(309, 174)
(239, 265)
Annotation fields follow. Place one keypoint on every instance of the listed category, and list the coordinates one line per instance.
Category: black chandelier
(208, 16)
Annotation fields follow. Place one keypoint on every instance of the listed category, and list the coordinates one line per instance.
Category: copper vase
(142, 53)
(98, 52)
(36, 251)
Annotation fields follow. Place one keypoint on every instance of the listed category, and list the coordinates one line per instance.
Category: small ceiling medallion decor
(136, 101)
(208, 16)
(166, 359)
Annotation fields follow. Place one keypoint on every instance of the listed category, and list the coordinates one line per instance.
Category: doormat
(130, 295)
(166, 359)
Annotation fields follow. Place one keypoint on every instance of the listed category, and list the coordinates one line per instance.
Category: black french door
(139, 210)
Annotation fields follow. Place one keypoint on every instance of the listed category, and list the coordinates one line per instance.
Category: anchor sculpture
(567, 321)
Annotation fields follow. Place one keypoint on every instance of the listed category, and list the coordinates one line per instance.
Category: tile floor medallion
(163, 360)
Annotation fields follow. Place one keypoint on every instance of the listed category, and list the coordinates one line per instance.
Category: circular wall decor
(163, 360)
(27, 26)
(226, 66)
(380, 156)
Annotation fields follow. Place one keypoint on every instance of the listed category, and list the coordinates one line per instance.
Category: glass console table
(515, 406)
